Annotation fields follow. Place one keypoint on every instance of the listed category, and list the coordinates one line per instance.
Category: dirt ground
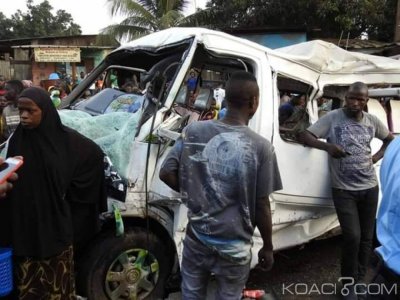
(311, 265)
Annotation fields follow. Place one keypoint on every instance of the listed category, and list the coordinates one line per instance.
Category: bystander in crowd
(2, 85)
(60, 185)
(226, 172)
(3, 105)
(11, 113)
(349, 132)
(192, 82)
(388, 228)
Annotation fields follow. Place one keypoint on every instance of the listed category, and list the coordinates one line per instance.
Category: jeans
(199, 262)
(356, 212)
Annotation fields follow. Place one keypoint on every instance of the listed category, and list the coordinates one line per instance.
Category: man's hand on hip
(336, 151)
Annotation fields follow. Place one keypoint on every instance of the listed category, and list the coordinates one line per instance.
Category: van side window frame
(295, 106)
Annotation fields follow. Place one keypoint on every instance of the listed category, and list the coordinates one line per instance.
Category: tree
(37, 21)
(146, 16)
(374, 18)
(5, 27)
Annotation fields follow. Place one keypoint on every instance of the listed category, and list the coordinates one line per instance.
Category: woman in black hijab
(59, 165)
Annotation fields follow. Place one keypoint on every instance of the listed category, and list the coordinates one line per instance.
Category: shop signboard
(57, 55)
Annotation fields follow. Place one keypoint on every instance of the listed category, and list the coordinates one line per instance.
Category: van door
(303, 209)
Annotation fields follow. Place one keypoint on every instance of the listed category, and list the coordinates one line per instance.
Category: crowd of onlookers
(9, 92)
(56, 85)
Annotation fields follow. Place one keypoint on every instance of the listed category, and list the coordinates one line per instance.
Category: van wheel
(134, 266)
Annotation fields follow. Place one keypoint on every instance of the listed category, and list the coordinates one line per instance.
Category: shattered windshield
(114, 133)
(126, 97)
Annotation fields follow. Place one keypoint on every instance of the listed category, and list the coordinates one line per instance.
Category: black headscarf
(39, 215)
(37, 212)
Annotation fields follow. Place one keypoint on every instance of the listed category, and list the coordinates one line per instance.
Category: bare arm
(378, 155)
(264, 224)
(169, 172)
(310, 140)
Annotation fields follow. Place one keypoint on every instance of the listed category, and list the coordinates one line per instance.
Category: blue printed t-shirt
(356, 171)
(388, 221)
(191, 83)
(285, 111)
(223, 170)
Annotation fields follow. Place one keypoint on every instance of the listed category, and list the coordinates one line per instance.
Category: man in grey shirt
(349, 132)
(227, 172)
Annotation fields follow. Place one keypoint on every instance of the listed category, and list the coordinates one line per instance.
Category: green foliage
(145, 16)
(376, 18)
(37, 21)
(5, 27)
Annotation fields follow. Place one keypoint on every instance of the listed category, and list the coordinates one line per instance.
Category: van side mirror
(203, 100)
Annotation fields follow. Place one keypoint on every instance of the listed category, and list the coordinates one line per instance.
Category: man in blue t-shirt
(192, 82)
(349, 132)
(388, 225)
(226, 172)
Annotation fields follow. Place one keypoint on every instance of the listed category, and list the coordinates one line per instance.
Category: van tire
(105, 258)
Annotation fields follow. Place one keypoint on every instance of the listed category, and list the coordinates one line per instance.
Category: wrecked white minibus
(137, 130)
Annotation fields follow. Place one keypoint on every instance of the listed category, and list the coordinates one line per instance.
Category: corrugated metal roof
(61, 46)
(50, 37)
(358, 43)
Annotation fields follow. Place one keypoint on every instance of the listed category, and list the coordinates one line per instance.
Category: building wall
(5, 69)
(41, 71)
(97, 55)
(22, 67)
(101, 55)
(275, 40)
(71, 41)
(21, 64)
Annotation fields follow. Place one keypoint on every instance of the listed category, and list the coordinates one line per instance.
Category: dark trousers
(356, 212)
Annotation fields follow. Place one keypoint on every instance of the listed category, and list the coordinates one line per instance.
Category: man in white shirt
(219, 95)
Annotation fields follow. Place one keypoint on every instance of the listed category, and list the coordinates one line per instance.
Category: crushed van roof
(326, 57)
(312, 61)
(176, 35)
(336, 66)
